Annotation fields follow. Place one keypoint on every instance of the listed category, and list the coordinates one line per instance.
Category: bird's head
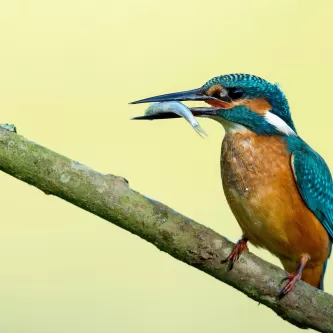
(239, 99)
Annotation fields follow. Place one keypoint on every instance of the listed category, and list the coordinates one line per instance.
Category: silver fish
(177, 108)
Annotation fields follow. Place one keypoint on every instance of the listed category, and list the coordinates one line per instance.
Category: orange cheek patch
(259, 105)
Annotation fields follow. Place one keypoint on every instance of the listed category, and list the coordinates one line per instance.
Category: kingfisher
(279, 189)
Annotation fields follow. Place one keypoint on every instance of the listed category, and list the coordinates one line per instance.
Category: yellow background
(67, 71)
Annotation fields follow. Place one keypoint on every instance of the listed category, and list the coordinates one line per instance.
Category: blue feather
(315, 184)
(314, 181)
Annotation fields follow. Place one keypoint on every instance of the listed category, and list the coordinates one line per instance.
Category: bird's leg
(234, 255)
(294, 277)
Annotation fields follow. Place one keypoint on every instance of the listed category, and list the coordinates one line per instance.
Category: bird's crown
(250, 87)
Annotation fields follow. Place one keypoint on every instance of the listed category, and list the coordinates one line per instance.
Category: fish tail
(200, 131)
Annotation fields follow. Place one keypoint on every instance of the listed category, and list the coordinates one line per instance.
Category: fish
(160, 108)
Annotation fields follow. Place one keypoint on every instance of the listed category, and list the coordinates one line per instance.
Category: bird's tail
(314, 275)
(321, 283)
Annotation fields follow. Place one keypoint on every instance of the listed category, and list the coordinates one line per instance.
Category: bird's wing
(314, 181)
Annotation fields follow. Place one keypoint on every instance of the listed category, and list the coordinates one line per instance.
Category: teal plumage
(314, 181)
(255, 86)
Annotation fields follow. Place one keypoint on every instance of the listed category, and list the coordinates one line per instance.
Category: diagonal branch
(112, 199)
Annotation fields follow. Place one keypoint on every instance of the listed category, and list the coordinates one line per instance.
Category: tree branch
(111, 198)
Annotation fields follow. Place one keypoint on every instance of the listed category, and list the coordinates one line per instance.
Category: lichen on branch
(111, 198)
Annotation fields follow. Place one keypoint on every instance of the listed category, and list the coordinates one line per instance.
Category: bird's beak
(189, 95)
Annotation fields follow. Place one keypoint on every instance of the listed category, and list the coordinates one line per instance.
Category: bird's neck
(266, 123)
(280, 106)
(232, 128)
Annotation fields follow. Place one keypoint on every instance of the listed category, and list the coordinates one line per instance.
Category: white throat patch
(279, 124)
(229, 126)
(270, 117)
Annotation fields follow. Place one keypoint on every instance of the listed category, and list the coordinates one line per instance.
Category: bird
(278, 188)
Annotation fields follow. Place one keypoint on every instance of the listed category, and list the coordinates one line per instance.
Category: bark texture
(111, 198)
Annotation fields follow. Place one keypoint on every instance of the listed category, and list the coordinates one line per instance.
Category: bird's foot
(293, 278)
(234, 255)
(8, 127)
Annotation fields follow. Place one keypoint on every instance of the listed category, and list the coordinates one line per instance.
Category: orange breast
(261, 190)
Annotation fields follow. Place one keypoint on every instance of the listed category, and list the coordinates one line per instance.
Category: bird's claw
(293, 278)
(234, 255)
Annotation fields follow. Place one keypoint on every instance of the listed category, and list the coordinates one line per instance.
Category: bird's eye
(235, 93)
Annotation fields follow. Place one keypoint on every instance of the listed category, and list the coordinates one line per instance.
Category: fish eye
(235, 93)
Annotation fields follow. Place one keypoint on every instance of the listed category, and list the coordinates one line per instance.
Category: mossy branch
(111, 198)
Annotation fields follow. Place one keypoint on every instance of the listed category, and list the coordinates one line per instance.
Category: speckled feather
(314, 182)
